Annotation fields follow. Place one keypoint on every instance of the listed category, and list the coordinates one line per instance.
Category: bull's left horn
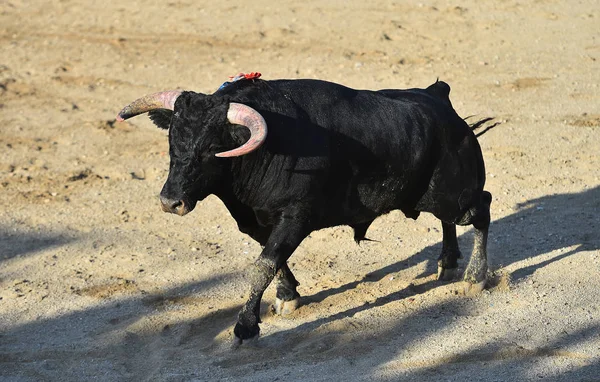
(161, 100)
(239, 114)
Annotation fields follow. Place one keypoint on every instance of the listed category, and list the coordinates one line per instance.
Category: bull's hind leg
(479, 216)
(448, 260)
(288, 298)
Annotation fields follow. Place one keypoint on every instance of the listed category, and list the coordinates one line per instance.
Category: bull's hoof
(446, 274)
(284, 308)
(248, 342)
(245, 335)
(473, 289)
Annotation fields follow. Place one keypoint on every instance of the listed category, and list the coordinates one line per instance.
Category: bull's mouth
(179, 207)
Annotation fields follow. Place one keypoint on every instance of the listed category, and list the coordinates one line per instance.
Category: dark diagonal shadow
(507, 360)
(15, 243)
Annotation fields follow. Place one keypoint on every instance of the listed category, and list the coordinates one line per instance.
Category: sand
(96, 283)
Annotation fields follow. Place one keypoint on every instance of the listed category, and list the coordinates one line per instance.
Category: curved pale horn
(240, 114)
(161, 100)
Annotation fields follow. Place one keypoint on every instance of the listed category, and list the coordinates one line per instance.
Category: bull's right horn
(240, 114)
(161, 100)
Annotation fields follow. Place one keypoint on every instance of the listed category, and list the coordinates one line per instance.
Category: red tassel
(252, 75)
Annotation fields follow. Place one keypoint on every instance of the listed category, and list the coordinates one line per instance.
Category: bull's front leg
(284, 239)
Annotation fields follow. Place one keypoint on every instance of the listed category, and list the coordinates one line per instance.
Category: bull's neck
(240, 211)
(243, 184)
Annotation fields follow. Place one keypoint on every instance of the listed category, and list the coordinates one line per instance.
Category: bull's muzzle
(174, 206)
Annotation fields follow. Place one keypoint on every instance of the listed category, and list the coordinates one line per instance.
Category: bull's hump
(440, 90)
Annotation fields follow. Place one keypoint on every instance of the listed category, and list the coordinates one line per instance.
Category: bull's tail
(478, 124)
(441, 90)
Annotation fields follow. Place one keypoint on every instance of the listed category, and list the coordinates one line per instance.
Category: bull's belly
(367, 201)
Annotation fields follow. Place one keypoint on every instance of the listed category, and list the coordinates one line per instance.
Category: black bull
(332, 156)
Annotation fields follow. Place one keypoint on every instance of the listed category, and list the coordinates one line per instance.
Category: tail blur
(478, 124)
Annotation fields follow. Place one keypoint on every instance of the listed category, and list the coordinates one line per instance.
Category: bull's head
(199, 130)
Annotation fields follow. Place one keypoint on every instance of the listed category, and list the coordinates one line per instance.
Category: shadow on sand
(14, 243)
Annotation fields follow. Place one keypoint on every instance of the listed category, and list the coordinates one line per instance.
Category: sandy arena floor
(96, 283)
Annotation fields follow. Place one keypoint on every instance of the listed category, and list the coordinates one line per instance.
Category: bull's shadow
(544, 225)
(540, 226)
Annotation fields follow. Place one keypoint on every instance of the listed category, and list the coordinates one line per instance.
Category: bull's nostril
(172, 205)
(179, 208)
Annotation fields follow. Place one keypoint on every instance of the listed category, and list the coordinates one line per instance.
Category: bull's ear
(161, 117)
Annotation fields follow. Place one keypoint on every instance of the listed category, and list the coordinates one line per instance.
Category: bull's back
(365, 122)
